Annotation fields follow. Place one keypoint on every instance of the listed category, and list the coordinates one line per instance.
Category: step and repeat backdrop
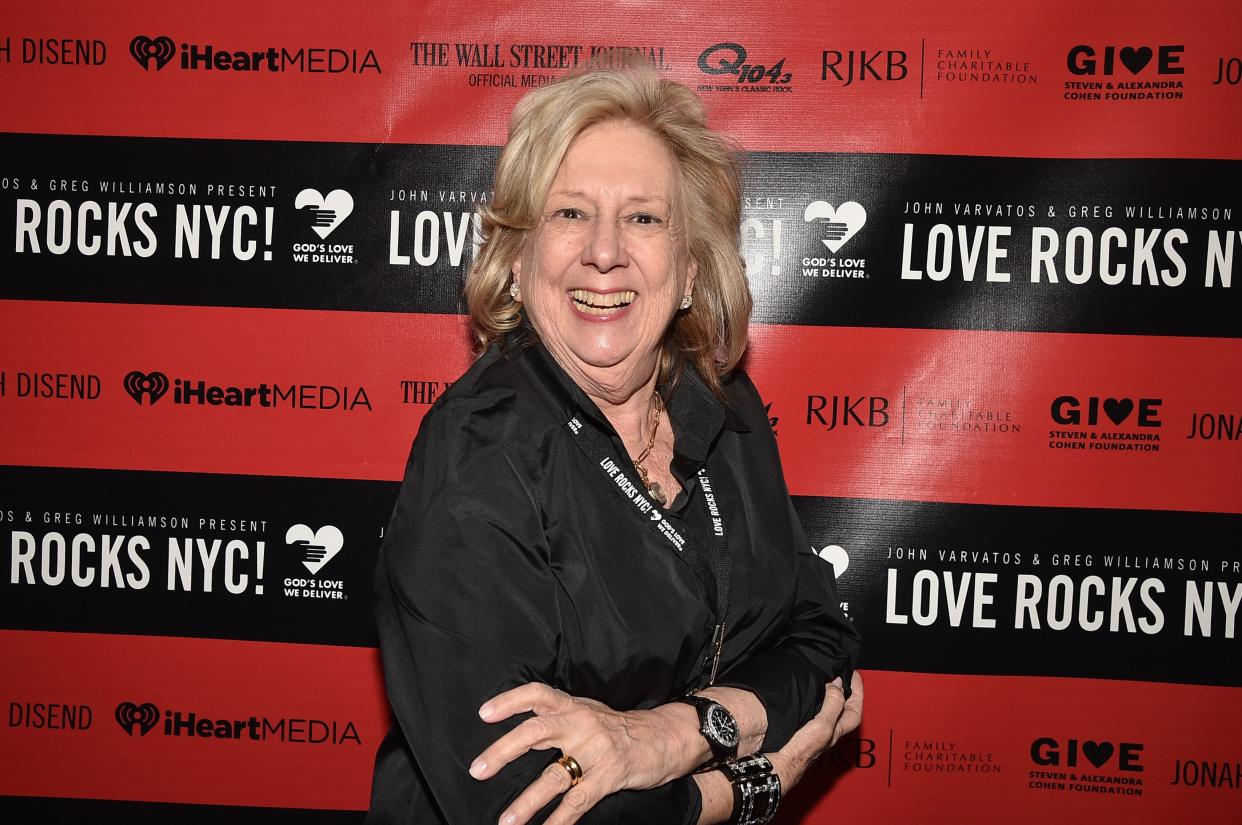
(998, 324)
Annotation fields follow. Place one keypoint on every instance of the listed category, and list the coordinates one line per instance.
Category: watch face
(721, 726)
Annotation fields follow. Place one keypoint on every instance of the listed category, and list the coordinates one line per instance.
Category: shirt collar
(697, 416)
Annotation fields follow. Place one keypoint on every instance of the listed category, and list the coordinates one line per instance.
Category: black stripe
(1079, 539)
(359, 509)
(779, 187)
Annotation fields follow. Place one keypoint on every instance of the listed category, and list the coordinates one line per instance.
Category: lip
(616, 313)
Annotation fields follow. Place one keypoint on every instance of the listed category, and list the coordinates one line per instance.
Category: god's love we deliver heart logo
(319, 545)
(840, 223)
(327, 211)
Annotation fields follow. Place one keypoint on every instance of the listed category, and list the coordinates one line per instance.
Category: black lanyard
(714, 570)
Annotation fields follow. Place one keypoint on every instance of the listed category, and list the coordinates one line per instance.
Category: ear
(692, 269)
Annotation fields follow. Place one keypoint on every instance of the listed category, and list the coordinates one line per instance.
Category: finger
(536, 733)
(532, 696)
(851, 714)
(834, 701)
(552, 782)
(576, 802)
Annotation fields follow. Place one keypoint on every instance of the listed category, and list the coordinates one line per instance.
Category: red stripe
(1000, 372)
(1000, 718)
(1016, 373)
(225, 347)
(212, 678)
(997, 719)
(417, 104)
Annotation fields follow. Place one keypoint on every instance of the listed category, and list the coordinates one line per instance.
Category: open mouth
(601, 303)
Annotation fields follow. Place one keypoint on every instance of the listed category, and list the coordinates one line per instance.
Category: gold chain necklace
(653, 487)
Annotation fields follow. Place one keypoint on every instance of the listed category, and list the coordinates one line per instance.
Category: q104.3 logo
(736, 70)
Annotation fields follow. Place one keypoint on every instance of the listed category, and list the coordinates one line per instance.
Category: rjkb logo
(143, 717)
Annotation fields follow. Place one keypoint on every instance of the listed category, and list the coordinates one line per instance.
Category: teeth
(598, 303)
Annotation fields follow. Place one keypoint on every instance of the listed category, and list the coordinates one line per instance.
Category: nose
(604, 246)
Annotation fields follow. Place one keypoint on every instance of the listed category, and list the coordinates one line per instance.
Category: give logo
(319, 546)
(143, 717)
(840, 223)
(1067, 409)
(1084, 60)
(327, 211)
(1048, 751)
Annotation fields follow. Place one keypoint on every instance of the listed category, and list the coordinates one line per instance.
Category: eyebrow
(634, 199)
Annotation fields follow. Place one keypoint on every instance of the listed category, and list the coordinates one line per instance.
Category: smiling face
(604, 273)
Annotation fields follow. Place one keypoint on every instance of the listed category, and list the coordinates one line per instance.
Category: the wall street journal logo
(161, 50)
(137, 719)
(734, 69)
(188, 391)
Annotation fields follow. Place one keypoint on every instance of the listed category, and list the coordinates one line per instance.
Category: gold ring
(571, 767)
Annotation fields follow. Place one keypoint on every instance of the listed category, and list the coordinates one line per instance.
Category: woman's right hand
(837, 717)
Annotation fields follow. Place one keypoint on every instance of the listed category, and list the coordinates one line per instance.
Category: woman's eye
(646, 219)
(569, 212)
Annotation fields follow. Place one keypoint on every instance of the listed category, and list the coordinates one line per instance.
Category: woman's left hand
(616, 750)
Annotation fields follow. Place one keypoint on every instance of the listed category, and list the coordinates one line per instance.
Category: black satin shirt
(510, 558)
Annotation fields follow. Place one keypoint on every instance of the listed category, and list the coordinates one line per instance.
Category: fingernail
(486, 712)
(477, 767)
(508, 819)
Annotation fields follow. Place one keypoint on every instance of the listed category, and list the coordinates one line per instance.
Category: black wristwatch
(718, 727)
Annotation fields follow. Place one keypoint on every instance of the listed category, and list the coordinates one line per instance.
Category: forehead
(619, 159)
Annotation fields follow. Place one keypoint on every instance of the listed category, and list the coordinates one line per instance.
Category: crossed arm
(464, 616)
(637, 750)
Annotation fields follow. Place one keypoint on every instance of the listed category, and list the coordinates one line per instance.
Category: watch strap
(720, 752)
(756, 789)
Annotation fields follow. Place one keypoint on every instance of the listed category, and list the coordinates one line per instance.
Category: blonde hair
(712, 333)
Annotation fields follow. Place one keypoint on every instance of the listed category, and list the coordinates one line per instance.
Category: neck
(622, 392)
(629, 415)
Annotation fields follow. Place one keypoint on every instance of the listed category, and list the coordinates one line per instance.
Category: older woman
(595, 600)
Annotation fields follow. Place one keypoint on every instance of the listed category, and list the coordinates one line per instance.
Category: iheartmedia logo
(154, 386)
(141, 385)
(209, 57)
(137, 718)
(147, 49)
(145, 717)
